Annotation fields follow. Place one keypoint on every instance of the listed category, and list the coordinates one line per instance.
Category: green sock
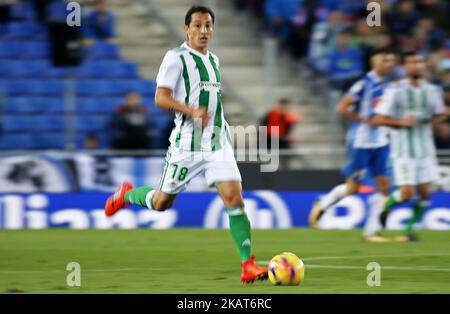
(240, 231)
(138, 196)
(392, 200)
(418, 210)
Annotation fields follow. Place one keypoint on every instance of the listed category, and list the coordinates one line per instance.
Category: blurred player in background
(409, 107)
(188, 83)
(369, 147)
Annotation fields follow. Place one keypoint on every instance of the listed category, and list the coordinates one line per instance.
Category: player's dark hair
(195, 9)
(387, 51)
(406, 54)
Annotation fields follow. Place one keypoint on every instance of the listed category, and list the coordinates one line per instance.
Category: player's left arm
(440, 112)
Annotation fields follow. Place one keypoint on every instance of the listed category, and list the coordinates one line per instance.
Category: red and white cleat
(116, 201)
(251, 271)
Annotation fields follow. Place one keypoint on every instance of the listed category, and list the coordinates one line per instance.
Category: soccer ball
(286, 269)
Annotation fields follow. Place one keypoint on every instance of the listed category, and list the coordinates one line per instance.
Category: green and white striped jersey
(195, 80)
(403, 100)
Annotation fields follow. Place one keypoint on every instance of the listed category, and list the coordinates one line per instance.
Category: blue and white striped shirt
(366, 94)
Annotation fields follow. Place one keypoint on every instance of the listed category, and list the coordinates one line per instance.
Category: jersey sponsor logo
(209, 86)
(376, 101)
(265, 210)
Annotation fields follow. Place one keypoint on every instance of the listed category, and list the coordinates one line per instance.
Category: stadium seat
(23, 69)
(93, 87)
(18, 123)
(147, 88)
(52, 104)
(10, 49)
(48, 123)
(102, 50)
(117, 69)
(24, 30)
(49, 141)
(88, 70)
(87, 105)
(16, 141)
(23, 11)
(36, 49)
(24, 105)
(90, 123)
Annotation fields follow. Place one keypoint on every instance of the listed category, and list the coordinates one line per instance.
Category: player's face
(415, 66)
(200, 30)
(387, 63)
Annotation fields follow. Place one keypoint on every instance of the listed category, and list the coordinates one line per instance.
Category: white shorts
(415, 171)
(182, 165)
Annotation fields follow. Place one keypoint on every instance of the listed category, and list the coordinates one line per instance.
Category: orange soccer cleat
(116, 201)
(251, 271)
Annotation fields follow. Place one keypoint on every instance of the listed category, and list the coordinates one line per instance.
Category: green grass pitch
(205, 261)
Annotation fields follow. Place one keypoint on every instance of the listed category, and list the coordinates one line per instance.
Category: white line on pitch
(416, 268)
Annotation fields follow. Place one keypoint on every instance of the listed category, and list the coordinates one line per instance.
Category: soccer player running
(409, 107)
(368, 145)
(189, 84)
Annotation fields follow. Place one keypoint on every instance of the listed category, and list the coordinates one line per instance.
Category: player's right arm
(385, 112)
(344, 108)
(165, 100)
(169, 74)
(354, 94)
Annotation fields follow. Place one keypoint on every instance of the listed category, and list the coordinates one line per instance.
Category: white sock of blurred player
(333, 197)
(373, 224)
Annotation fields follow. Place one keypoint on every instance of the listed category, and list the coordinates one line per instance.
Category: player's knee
(352, 189)
(407, 194)
(384, 189)
(424, 195)
(233, 200)
(162, 205)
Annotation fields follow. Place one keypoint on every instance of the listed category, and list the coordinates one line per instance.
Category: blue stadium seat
(112, 103)
(23, 105)
(18, 123)
(16, 141)
(161, 122)
(10, 49)
(103, 50)
(22, 68)
(87, 105)
(104, 105)
(93, 87)
(13, 87)
(36, 49)
(7, 68)
(147, 88)
(23, 11)
(24, 30)
(48, 123)
(49, 141)
(59, 72)
(32, 87)
(52, 104)
(91, 123)
(121, 86)
(89, 70)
